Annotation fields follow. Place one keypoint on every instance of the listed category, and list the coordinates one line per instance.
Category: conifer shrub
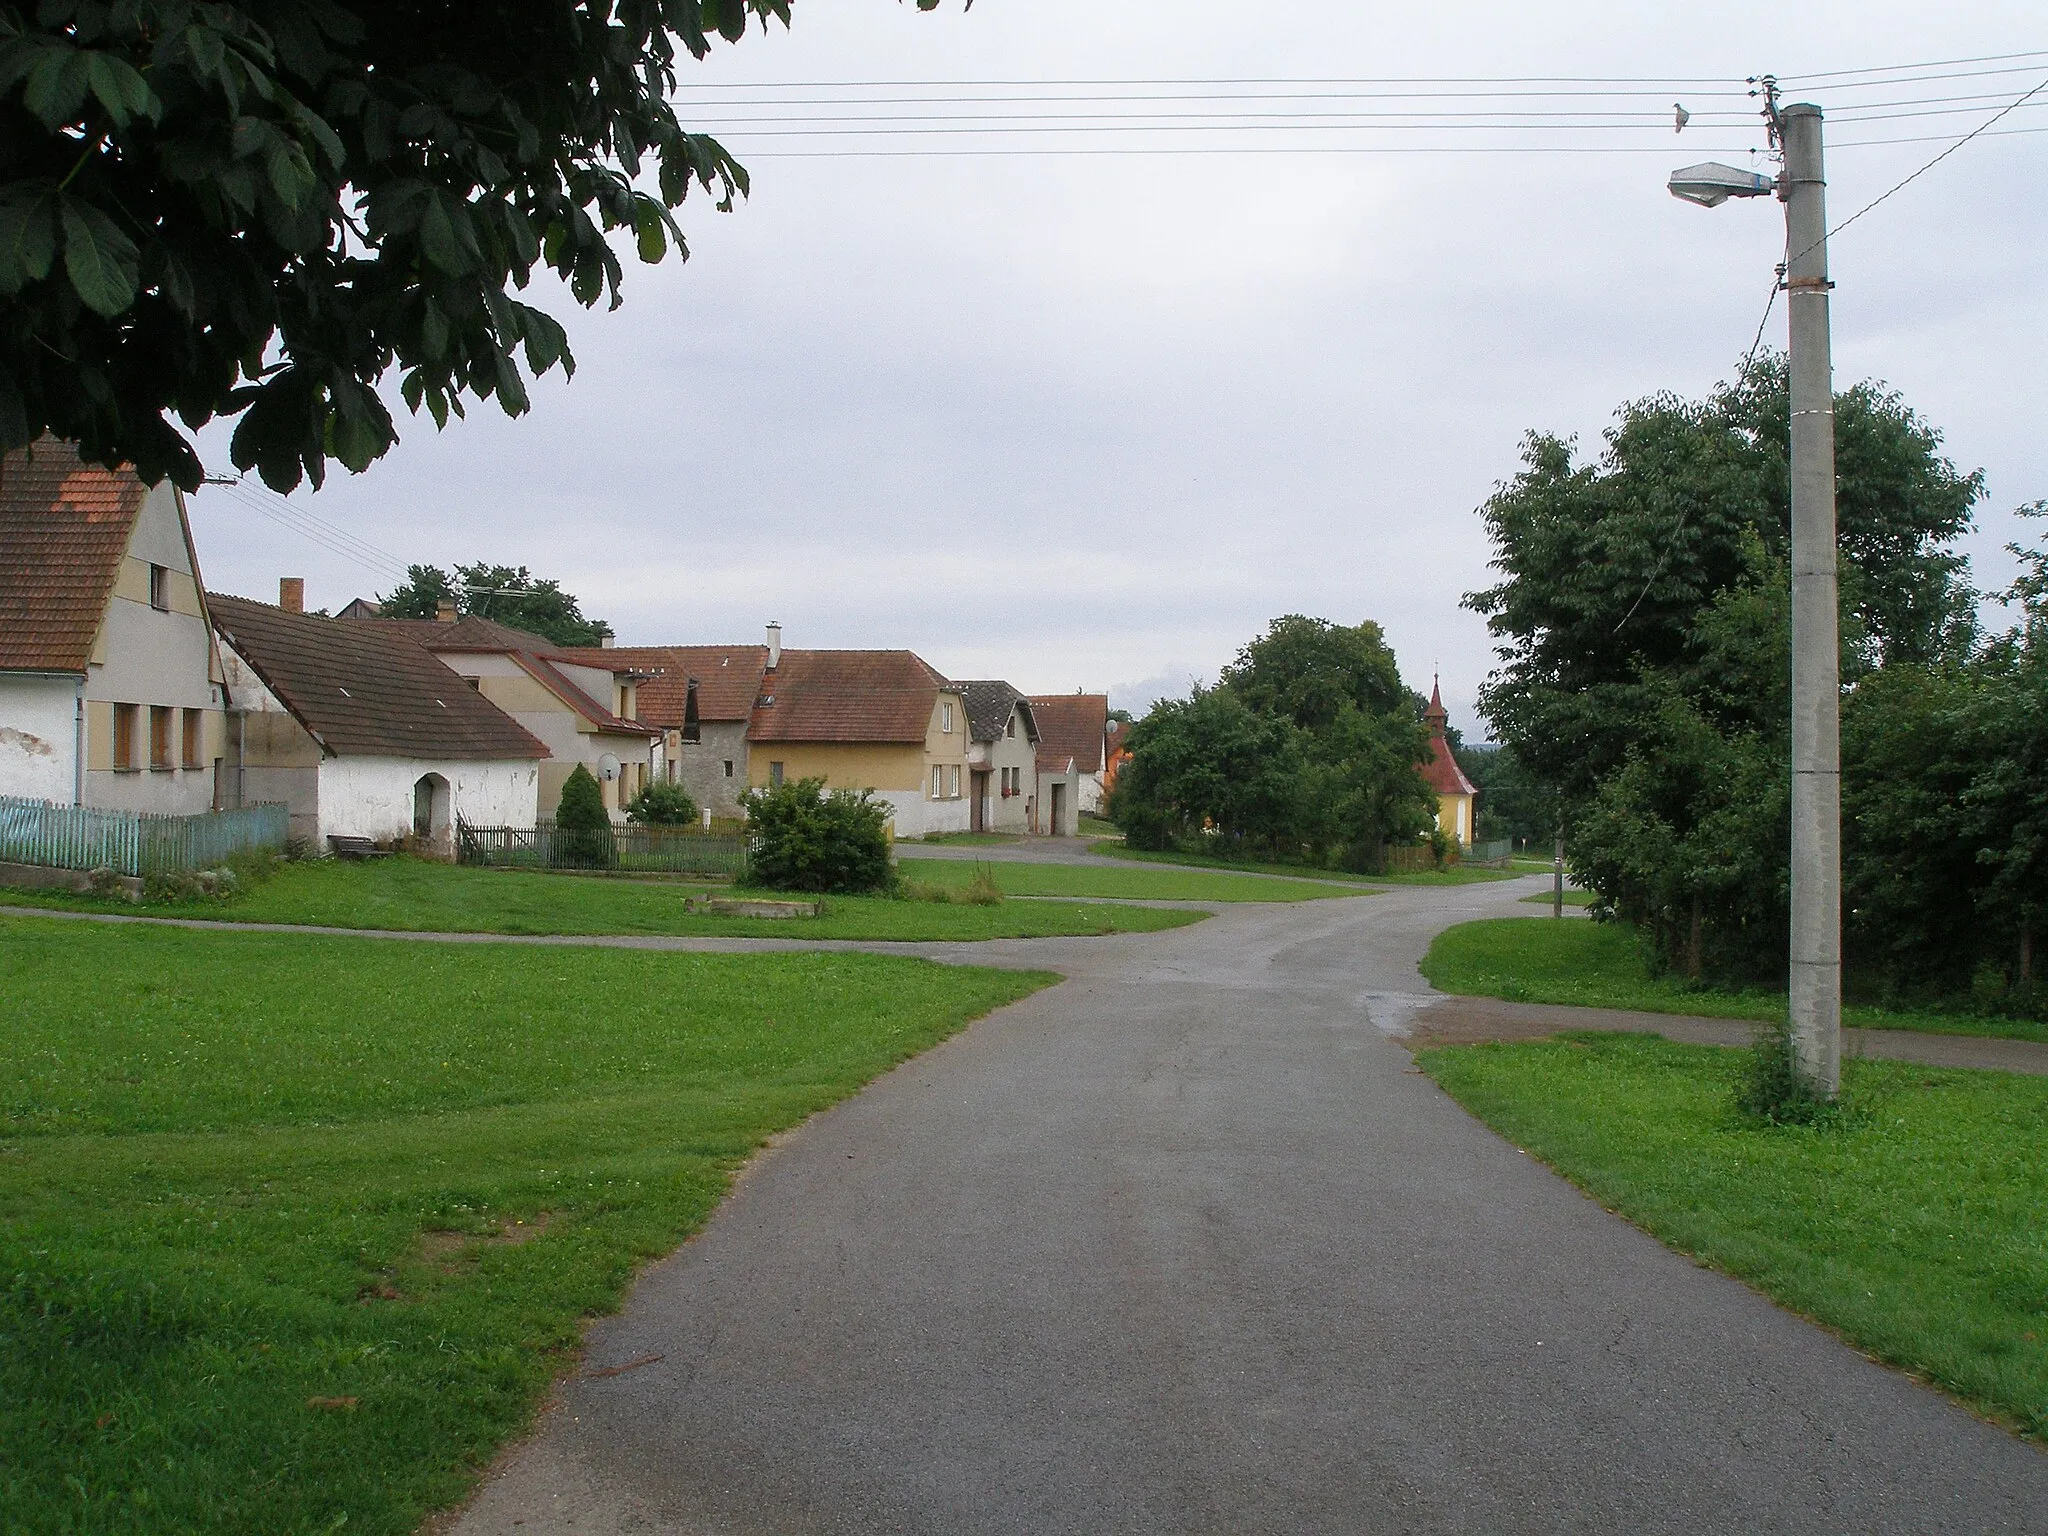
(583, 827)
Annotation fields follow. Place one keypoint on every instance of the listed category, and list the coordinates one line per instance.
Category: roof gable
(990, 704)
(1072, 725)
(361, 689)
(64, 527)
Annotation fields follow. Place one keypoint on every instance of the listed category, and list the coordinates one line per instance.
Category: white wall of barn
(373, 796)
(39, 737)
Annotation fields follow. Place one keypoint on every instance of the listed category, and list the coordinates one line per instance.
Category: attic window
(1010, 730)
(159, 588)
(946, 717)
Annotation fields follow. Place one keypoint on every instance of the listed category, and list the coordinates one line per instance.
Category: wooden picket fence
(134, 842)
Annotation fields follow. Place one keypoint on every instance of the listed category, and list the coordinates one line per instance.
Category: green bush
(803, 839)
(583, 827)
(662, 804)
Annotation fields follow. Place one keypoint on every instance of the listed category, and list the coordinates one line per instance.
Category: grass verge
(1456, 875)
(296, 1231)
(1912, 1226)
(1111, 882)
(1597, 965)
(1572, 898)
(415, 895)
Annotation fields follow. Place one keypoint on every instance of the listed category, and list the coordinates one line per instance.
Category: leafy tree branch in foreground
(260, 209)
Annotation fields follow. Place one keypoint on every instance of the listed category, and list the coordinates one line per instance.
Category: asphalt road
(1185, 1244)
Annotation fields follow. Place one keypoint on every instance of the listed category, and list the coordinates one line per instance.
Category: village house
(583, 711)
(1002, 758)
(365, 734)
(111, 689)
(701, 697)
(1073, 728)
(1454, 792)
(878, 720)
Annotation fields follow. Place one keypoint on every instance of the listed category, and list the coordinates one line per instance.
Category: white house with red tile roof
(1073, 728)
(585, 711)
(111, 688)
(365, 734)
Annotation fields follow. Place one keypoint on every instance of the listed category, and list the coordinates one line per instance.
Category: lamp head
(1710, 184)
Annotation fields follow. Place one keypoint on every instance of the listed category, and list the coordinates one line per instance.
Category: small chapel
(1440, 771)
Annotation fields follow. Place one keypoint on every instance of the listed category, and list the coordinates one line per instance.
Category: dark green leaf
(438, 238)
(57, 86)
(28, 236)
(98, 258)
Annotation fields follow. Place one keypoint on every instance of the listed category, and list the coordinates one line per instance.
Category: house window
(938, 781)
(775, 774)
(195, 728)
(1010, 730)
(159, 738)
(159, 587)
(124, 736)
(728, 767)
(946, 717)
(953, 782)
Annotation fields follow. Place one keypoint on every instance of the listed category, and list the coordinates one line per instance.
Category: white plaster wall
(39, 737)
(1091, 793)
(1042, 804)
(918, 817)
(372, 796)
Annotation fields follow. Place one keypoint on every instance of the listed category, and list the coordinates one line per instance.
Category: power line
(1878, 69)
(1930, 165)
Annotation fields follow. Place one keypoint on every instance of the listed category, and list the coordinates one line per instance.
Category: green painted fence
(133, 842)
(629, 849)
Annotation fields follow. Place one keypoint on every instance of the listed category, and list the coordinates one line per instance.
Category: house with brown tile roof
(1075, 730)
(701, 697)
(885, 721)
(364, 733)
(582, 704)
(1002, 758)
(111, 688)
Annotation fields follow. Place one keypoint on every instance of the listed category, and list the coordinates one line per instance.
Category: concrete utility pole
(1816, 981)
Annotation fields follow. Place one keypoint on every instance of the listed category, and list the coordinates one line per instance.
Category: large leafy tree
(263, 207)
(1608, 566)
(509, 594)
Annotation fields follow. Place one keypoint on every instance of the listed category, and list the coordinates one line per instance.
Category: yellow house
(1454, 792)
(877, 720)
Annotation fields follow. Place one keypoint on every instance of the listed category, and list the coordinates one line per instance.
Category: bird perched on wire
(1680, 118)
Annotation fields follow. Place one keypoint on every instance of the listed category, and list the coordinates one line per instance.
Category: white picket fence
(133, 842)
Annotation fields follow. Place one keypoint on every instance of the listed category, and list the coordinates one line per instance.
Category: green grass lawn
(417, 895)
(1597, 965)
(1914, 1228)
(1572, 898)
(295, 1231)
(1456, 875)
(1114, 882)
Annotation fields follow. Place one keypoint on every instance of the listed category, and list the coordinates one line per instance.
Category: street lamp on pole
(1816, 970)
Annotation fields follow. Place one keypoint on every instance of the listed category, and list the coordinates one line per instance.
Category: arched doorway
(430, 809)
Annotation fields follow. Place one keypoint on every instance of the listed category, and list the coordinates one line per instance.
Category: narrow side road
(1187, 1244)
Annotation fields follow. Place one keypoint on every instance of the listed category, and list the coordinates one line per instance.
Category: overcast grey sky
(1089, 420)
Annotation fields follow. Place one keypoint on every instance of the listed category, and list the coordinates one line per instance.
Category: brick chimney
(445, 611)
(291, 593)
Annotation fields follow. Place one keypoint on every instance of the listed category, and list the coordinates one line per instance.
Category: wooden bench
(353, 847)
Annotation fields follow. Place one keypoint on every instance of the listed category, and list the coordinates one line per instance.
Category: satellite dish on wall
(607, 767)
